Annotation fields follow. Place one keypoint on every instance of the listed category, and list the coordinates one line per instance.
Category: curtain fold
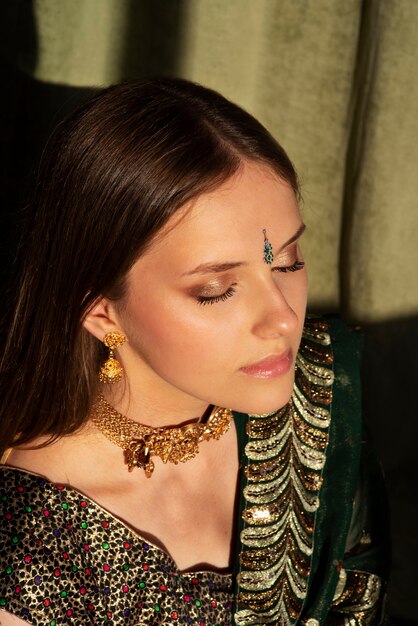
(334, 82)
(382, 249)
(297, 81)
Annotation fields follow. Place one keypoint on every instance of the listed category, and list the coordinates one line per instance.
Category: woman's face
(207, 321)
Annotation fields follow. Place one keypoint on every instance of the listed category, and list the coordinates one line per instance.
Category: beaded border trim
(286, 453)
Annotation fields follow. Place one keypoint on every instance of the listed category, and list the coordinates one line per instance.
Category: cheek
(303, 290)
(294, 288)
(179, 333)
(299, 286)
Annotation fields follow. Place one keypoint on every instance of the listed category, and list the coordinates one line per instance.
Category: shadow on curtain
(390, 408)
(150, 46)
(28, 114)
(153, 39)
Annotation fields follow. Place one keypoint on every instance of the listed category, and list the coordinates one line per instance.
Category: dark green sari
(310, 538)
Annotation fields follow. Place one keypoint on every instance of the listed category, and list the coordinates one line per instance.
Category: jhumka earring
(111, 370)
(268, 250)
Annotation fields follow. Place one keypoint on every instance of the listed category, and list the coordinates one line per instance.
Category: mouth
(272, 366)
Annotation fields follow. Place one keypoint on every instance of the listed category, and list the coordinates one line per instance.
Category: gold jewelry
(172, 445)
(111, 370)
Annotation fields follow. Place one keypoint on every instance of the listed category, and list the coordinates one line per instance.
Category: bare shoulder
(35, 457)
(7, 619)
(60, 461)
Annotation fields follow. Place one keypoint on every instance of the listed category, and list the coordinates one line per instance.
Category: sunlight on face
(207, 320)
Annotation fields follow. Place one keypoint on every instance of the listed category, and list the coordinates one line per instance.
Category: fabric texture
(65, 560)
(308, 549)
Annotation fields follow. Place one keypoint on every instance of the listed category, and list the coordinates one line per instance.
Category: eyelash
(203, 300)
(297, 265)
(214, 299)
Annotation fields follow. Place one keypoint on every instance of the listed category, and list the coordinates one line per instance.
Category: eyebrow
(217, 268)
(294, 238)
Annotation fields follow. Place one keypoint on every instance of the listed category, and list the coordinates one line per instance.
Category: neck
(162, 411)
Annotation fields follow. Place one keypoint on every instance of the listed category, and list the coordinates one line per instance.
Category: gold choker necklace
(172, 445)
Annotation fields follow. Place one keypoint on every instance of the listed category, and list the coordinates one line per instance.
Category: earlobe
(101, 319)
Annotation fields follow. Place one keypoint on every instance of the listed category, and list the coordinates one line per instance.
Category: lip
(272, 366)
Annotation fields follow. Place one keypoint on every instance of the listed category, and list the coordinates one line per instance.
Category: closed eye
(297, 265)
(219, 298)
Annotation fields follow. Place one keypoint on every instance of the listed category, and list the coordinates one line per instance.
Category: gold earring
(111, 370)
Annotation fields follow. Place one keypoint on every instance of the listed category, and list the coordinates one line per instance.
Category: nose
(275, 317)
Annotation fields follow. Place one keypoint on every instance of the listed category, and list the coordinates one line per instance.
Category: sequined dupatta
(299, 475)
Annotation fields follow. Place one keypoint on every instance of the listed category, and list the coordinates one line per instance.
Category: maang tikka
(268, 250)
(111, 370)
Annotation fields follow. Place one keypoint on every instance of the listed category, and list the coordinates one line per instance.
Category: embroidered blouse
(68, 561)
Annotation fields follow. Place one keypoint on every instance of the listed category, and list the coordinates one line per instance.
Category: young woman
(173, 453)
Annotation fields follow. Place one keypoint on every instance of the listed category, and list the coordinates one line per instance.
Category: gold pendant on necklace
(137, 454)
(172, 445)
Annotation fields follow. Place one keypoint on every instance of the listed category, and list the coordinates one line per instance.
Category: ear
(102, 319)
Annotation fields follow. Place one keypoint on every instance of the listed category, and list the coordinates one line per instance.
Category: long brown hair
(112, 175)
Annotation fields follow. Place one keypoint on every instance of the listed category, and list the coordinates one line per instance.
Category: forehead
(229, 220)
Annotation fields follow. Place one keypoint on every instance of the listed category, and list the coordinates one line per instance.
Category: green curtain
(336, 81)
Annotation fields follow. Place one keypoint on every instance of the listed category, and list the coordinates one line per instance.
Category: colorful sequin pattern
(66, 561)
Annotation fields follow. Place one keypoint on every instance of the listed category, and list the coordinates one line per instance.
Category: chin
(264, 398)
